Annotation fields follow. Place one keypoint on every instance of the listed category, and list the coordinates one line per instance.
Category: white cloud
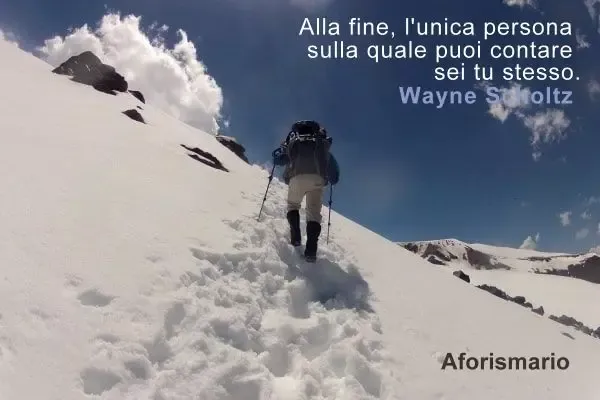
(582, 42)
(520, 3)
(546, 126)
(593, 88)
(586, 215)
(499, 111)
(565, 218)
(582, 233)
(8, 37)
(530, 243)
(592, 200)
(510, 102)
(173, 79)
(593, 6)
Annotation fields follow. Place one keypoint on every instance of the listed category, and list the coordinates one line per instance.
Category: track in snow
(254, 323)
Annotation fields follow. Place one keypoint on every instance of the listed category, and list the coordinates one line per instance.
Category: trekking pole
(266, 191)
(329, 217)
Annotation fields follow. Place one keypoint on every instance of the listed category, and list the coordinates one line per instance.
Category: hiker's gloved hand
(280, 158)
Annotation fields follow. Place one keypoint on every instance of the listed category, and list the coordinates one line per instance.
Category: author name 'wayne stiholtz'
(493, 95)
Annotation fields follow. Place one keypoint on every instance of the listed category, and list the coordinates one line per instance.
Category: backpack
(306, 131)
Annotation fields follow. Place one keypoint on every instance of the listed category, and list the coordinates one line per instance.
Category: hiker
(309, 168)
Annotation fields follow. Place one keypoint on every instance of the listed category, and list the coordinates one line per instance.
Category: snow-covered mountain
(480, 256)
(133, 267)
(566, 287)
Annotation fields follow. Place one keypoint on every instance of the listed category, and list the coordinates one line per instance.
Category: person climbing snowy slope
(309, 168)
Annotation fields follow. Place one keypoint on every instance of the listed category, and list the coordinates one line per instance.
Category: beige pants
(311, 186)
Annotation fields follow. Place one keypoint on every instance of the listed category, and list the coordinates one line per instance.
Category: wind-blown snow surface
(132, 271)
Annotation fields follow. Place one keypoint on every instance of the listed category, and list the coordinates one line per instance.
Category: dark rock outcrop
(138, 95)
(547, 259)
(433, 250)
(411, 247)
(435, 261)
(520, 300)
(205, 158)
(495, 291)
(578, 325)
(87, 68)
(483, 261)
(587, 270)
(539, 310)
(233, 145)
(461, 275)
(135, 115)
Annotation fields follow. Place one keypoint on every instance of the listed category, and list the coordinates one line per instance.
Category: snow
(557, 294)
(508, 252)
(132, 271)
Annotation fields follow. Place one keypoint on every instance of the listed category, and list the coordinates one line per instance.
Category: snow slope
(514, 272)
(558, 295)
(132, 271)
(509, 252)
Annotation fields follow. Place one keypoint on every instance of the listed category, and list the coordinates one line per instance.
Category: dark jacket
(307, 157)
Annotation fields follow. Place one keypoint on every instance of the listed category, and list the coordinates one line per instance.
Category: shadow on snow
(330, 284)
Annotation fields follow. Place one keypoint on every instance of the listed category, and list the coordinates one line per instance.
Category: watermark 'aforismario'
(494, 95)
(502, 363)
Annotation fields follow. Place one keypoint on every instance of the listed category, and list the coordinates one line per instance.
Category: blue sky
(409, 172)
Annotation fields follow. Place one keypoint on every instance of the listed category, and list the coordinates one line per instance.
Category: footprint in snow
(97, 381)
(94, 298)
(174, 316)
(139, 368)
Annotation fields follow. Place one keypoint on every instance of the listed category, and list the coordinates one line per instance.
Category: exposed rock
(495, 291)
(461, 275)
(547, 259)
(483, 261)
(205, 158)
(233, 145)
(572, 322)
(519, 300)
(87, 68)
(411, 247)
(539, 310)
(442, 253)
(434, 250)
(435, 261)
(587, 270)
(135, 115)
(138, 95)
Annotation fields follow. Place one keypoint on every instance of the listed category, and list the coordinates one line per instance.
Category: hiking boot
(313, 230)
(293, 218)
